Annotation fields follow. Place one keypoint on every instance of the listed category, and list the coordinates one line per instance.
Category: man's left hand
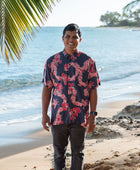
(91, 123)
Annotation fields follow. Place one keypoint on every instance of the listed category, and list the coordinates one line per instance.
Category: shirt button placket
(68, 78)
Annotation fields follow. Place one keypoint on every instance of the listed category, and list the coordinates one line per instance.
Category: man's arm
(93, 105)
(46, 97)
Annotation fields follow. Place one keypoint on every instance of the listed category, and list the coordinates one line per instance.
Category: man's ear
(62, 38)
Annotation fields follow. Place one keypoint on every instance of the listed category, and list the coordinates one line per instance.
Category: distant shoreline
(124, 27)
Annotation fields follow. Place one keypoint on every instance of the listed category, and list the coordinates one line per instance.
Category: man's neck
(70, 52)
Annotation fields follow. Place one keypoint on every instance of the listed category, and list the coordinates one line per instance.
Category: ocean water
(117, 56)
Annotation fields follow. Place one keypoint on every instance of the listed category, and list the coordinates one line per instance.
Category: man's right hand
(46, 122)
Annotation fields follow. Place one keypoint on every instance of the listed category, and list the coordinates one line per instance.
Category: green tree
(136, 17)
(110, 18)
(18, 21)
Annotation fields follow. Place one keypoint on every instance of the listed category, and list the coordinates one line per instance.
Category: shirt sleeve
(47, 77)
(93, 77)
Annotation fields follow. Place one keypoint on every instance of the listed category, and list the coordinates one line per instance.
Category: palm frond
(18, 21)
(130, 6)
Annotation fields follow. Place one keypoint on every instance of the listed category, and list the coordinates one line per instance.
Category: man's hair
(72, 27)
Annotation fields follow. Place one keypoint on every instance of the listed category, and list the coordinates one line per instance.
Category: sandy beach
(118, 147)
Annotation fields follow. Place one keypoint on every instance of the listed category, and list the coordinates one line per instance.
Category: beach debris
(98, 165)
(68, 154)
(103, 132)
(34, 167)
(99, 140)
(117, 162)
(47, 155)
(116, 153)
(49, 148)
(130, 112)
(128, 118)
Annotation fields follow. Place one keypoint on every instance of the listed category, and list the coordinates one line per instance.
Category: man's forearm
(46, 97)
(93, 99)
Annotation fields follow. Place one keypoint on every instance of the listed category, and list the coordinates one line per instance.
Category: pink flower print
(65, 78)
(86, 93)
(55, 71)
(85, 102)
(86, 65)
(93, 74)
(74, 113)
(64, 105)
(80, 77)
(57, 56)
(77, 109)
(72, 118)
(92, 69)
(84, 124)
(71, 89)
(66, 67)
(64, 52)
(91, 84)
(73, 98)
(58, 116)
(49, 84)
(61, 122)
(74, 92)
(58, 119)
(78, 55)
(60, 61)
(55, 103)
(59, 87)
(98, 82)
(70, 84)
(72, 57)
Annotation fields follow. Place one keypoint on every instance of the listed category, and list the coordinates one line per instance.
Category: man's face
(71, 41)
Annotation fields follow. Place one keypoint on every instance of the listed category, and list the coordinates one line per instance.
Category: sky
(83, 12)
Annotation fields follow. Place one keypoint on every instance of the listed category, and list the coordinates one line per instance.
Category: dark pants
(61, 135)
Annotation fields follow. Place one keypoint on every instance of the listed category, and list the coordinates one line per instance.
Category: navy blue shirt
(71, 77)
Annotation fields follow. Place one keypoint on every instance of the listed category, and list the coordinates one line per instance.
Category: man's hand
(46, 122)
(91, 123)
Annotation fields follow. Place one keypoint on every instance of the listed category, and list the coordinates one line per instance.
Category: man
(71, 79)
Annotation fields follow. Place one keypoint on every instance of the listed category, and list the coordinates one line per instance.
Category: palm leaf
(18, 21)
(130, 6)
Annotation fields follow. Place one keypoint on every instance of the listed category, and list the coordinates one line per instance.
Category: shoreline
(34, 140)
(38, 153)
(40, 137)
(124, 27)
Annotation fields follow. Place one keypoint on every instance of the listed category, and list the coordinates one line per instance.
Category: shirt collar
(73, 56)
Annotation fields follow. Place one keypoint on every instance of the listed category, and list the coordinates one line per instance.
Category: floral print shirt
(70, 77)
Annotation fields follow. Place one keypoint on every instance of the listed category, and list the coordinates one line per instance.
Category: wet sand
(101, 153)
